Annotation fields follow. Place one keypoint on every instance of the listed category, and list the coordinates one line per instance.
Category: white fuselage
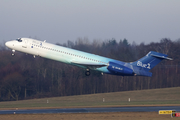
(61, 54)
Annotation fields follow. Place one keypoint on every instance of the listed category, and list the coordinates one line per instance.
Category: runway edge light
(165, 112)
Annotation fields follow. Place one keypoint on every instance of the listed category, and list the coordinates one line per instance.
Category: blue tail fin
(143, 65)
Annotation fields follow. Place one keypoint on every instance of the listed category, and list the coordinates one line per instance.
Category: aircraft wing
(88, 65)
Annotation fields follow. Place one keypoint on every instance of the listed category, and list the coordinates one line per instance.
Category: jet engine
(119, 69)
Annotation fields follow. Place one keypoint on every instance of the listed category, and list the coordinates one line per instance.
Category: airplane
(86, 60)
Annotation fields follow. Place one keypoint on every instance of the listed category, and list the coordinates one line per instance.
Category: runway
(92, 110)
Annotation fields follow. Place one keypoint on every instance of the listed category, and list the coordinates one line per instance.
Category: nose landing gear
(13, 51)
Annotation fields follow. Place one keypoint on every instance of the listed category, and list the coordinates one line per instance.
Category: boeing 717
(85, 60)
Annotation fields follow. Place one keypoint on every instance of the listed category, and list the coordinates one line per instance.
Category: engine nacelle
(119, 69)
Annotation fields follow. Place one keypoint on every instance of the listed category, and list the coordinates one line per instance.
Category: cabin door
(25, 44)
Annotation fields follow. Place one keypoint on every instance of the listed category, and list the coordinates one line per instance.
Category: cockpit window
(19, 40)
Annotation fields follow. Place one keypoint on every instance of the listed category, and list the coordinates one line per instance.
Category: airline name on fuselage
(37, 42)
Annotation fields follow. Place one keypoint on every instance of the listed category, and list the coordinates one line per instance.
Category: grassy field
(90, 116)
(154, 97)
(165, 96)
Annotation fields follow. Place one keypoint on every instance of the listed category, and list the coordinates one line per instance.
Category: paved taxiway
(92, 110)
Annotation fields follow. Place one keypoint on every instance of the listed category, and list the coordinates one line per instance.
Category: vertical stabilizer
(143, 65)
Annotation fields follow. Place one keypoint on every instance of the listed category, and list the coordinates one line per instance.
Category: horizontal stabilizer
(163, 57)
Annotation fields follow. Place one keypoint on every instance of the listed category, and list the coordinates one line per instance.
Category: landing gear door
(25, 42)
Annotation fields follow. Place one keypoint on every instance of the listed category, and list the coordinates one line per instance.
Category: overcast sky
(60, 20)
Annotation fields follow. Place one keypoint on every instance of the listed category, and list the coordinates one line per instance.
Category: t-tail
(143, 65)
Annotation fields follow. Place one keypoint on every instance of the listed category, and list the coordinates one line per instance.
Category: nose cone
(9, 44)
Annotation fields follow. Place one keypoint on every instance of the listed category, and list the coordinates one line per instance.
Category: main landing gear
(87, 73)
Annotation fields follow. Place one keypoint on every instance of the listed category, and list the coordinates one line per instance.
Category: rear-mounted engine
(119, 69)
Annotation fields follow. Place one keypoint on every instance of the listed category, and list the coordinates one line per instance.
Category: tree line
(23, 77)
